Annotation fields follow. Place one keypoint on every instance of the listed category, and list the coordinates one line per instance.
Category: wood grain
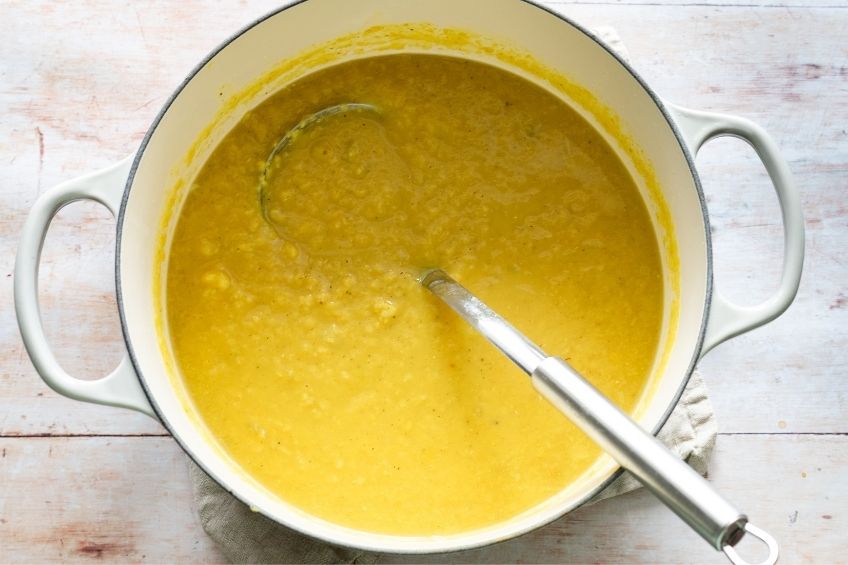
(80, 84)
(786, 70)
(115, 499)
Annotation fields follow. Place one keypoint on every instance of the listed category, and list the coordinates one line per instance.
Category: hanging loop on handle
(763, 536)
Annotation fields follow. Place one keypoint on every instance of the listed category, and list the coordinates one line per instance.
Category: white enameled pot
(139, 192)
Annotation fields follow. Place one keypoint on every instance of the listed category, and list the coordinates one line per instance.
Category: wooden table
(82, 81)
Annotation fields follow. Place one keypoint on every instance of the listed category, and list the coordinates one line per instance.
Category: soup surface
(320, 364)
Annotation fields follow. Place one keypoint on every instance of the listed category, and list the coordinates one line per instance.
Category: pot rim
(456, 546)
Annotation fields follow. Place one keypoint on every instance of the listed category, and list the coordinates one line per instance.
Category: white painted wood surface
(81, 82)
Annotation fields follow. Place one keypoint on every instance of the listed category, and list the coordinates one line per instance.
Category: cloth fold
(245, 536)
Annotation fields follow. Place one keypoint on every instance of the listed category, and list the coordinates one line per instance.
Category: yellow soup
(328, 373)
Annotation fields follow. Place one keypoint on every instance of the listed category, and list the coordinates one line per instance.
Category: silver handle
(676, 484)
(670, 479)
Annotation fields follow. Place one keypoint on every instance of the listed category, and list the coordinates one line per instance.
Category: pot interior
(281, 48)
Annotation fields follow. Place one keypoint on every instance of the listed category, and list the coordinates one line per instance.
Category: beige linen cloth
(245, 536)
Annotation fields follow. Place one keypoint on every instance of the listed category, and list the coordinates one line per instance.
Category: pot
(657, 140)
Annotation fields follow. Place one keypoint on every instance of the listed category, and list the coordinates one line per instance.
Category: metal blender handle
(671, 480)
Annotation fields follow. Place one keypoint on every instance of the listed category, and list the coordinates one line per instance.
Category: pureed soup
(320, 364)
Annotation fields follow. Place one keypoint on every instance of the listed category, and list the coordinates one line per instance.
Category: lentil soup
(323, 368)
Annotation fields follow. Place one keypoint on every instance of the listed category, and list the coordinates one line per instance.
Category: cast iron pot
(138, 191)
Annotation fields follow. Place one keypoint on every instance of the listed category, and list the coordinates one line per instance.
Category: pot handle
(119, 388)
(727, 319)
